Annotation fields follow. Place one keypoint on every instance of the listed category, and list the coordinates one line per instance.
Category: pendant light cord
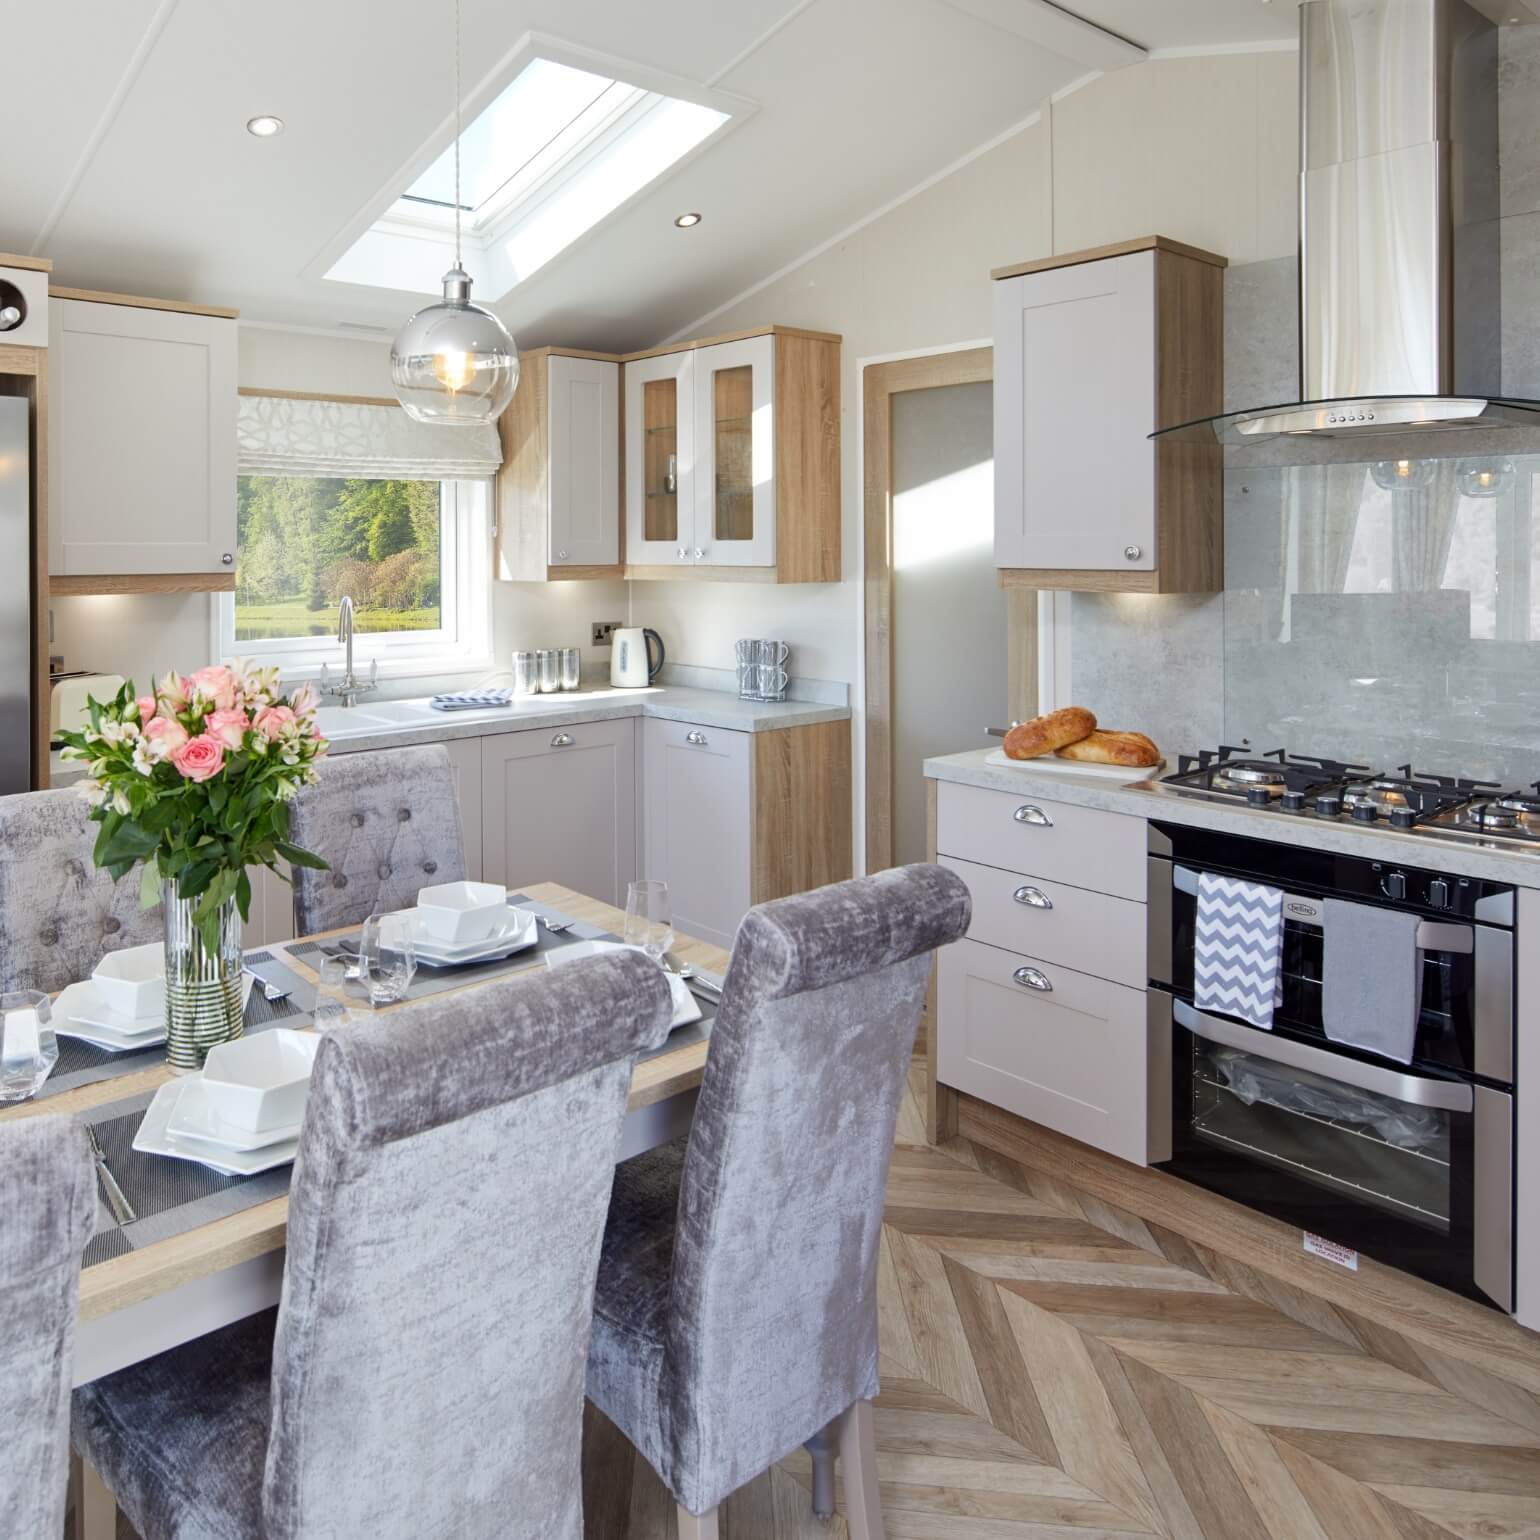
(457, 134)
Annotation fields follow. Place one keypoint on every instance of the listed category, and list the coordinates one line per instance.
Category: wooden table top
(127, 1280)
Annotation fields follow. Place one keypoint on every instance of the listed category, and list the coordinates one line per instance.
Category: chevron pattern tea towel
(1239, 946)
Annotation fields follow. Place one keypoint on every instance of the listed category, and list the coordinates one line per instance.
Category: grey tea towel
(1371, 984)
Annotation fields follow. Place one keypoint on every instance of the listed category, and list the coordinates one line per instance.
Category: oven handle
(1432, 935)
(1415, 1090)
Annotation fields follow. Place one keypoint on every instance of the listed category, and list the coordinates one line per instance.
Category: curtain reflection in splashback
(1382, 611)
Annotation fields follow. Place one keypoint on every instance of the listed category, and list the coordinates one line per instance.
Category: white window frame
(464, 645)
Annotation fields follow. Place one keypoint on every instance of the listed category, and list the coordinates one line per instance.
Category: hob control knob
(1258, 796)
(1402, 818)
(1328, 807)
(1438, 893)
(1292, 802)
(1394, 884)
(1365, 812)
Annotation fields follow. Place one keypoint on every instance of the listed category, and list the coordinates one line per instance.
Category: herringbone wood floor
(1059, 1369)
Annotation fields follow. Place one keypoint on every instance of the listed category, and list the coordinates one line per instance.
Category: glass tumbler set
(762, 670)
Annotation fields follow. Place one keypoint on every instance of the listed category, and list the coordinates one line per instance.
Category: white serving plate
(520, 931)
(197, 1116)
(1054, 766)
(81, 1012)
(686, 1007)
(154, 1138)
(462, 913)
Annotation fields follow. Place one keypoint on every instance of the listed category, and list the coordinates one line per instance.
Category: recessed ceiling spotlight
(265, 126)
(686, 220)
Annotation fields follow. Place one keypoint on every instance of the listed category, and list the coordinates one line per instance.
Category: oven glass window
(1357, 1145)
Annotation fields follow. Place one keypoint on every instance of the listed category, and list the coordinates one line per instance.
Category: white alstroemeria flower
(111, 732)
(121, 804)
(93, 791)
(144, 756)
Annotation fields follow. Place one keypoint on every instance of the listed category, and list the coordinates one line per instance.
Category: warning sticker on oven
(1319, 1246)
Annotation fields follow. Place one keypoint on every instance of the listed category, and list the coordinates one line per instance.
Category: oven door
(1411, 1169)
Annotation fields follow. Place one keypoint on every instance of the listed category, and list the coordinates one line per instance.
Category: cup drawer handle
(1033, 898)
(562, 741)
(698, 738)
(1033, 978)
(1029, 813)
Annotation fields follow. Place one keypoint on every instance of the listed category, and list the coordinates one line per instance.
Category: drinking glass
(649, 919)
(28, 1048)
(333, 1000)
(387, 957)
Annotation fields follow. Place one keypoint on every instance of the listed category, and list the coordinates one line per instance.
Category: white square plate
(81, 1012)
(197, 1116)
(154, 1138)
(686, 1007)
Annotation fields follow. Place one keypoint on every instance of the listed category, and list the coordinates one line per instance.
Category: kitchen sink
(342, 721)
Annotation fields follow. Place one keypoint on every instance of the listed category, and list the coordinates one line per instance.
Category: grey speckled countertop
(1143, 800)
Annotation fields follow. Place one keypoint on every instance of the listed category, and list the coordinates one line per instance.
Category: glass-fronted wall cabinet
(732, 458)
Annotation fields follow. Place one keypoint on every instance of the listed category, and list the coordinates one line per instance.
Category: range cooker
(1449, 807)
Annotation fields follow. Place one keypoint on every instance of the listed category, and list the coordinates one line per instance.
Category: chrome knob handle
(561, 556)
(700, 553)
(682, 553)
(1033, 898)
(228, 559)
(1133, 552)
(1033, 978)
(562, 741)
(698, 738)
(1035, 816)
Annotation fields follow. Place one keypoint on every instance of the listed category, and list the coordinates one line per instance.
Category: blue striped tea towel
(1239, 949)
(472, 700)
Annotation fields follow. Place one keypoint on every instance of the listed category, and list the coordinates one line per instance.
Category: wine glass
(333, 1006)
(649, 919)
(387, 957)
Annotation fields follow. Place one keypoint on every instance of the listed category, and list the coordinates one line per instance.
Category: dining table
(153, 1297)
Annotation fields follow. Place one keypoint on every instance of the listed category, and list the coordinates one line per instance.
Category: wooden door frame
(880, 383)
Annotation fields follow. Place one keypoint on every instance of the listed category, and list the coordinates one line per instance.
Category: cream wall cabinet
(559, 485)
(660, 460)
(141, 434)
(1094, 351)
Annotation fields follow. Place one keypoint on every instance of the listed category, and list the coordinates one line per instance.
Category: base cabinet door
(1058, 1047)
(465, 757)
(558, 804)
(272, 907)
(700, 824)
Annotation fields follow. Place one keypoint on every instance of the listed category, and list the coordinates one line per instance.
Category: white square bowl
(261, 1082)
(458, 912)
(133, 982)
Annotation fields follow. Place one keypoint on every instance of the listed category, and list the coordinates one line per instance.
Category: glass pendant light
(1484, 478)
(455, 362)
(1402, 475)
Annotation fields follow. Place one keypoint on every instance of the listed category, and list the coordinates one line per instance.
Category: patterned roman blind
(282, 436)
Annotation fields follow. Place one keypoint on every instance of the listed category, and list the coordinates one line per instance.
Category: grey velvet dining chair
(388, 823)
(424, 1376)
(47, 1211)
(736, 1313)
(58, 913)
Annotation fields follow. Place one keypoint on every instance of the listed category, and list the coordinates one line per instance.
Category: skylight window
(556, 151)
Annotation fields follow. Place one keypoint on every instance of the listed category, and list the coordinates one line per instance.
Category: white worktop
(1141, 798)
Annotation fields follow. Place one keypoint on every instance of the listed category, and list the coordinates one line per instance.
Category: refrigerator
(15, 599)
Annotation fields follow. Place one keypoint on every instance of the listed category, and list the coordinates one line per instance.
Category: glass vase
(203, 987)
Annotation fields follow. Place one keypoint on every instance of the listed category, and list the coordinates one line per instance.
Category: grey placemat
(82, 1063)
(169, 1197)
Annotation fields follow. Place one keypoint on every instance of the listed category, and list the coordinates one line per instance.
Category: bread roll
(1042, 735)
(1113, 748)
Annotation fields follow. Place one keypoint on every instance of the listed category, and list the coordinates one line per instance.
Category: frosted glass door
(735, 482)
(660, 461)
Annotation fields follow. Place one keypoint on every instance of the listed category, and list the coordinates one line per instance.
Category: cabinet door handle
(1132, 552)
(698, 738)
(1028, 813)
(1033, 898)
(561, 556)
(700, 553)
(562, 741)
(227, 559)
(682, 553)
(1033, 978)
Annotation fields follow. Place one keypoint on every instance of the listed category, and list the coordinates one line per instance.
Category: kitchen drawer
(1071, 1054)
(1059, 841)
(1074, 927)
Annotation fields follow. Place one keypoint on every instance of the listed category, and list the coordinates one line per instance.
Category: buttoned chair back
(388, 822)
(444, 1225)
(772, 1322)
(48, 1204)
(58, 913)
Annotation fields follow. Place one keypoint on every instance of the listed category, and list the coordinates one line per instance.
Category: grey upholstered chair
(425, 1376)
(736, 1314)
(47, 1210)
(389, 824)
(58, 913)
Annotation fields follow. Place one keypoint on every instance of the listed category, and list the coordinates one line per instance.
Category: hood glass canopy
(1355, 417)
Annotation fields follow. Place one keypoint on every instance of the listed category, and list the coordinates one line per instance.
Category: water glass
(387, 957)
(28, 1048)
(333, 1000)
(649, 919)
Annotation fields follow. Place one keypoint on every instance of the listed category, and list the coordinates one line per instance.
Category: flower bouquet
(195, 781)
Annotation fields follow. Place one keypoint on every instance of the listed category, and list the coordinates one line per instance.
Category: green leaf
(128, 842)
(297, 857)
(243, 895)
(149, 886)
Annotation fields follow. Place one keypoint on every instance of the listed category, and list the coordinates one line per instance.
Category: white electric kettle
(631, 662)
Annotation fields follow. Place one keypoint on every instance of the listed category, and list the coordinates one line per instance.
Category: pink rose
(164, 735)
(174, 693)
(273, 721)
(228, 726)
(200, 757)
(146, 704)
(214, 686)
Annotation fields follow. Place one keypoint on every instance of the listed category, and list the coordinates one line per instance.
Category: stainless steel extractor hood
(1400, 274)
